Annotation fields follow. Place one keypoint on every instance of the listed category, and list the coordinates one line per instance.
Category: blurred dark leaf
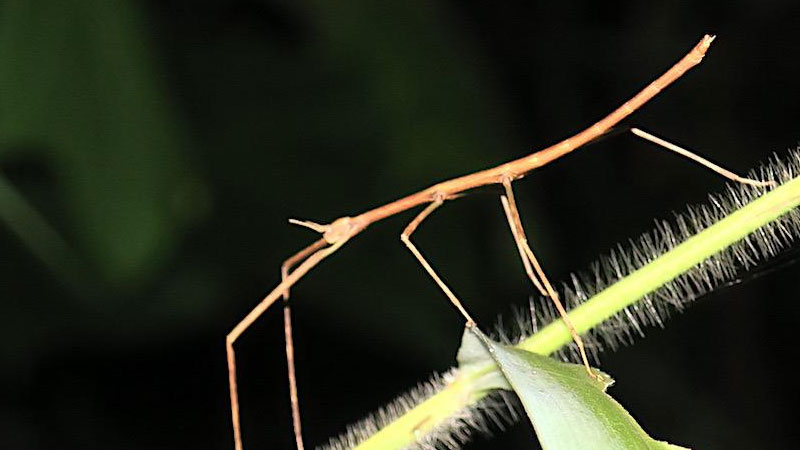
(76, 81)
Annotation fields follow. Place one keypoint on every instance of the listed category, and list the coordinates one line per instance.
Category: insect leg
(514, 221)
(253, 315)
(521, 241)
(287, 331)
(699, 159)
(406, 238)
(297, 258)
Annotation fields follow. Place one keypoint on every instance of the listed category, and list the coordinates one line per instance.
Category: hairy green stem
(463, 392)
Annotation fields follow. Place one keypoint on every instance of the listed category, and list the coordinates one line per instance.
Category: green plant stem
(465, 390)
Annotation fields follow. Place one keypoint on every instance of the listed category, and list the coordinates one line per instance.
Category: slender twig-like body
(518, 168)
(341, 230)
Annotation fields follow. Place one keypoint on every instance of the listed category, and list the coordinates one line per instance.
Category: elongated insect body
(340, 231)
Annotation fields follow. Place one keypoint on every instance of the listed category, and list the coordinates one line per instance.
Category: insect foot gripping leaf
(568, 409)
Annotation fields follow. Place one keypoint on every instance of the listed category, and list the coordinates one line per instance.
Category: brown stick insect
(340, 231)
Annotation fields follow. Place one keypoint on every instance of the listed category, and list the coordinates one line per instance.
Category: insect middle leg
(406, 238)
(539, 279)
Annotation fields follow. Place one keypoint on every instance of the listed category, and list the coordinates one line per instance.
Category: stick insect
(340, 231)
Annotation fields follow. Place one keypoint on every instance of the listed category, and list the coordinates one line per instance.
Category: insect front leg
(292, 278)
(289, 338)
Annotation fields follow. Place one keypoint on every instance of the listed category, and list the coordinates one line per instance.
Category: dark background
(151, 153)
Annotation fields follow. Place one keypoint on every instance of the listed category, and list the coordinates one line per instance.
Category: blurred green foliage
(80, 95)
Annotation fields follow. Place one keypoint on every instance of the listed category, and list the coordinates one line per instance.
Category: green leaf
(568, 409)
